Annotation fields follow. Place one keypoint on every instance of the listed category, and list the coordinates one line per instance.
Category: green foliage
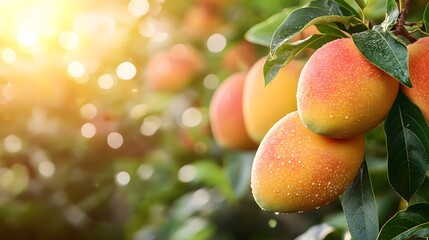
(408, 146)
(385, 51)
(262, 32)
(426, 17)
(320, 12)
(412, 222)
(359, 206)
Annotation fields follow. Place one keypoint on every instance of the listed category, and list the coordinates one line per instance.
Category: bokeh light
(123, 178)
(88, 111)
(150, 125)
(126, 71)
(115, 140)
(76, 69)
(106, 81)
(12, 143)
(138, 8)
(191, 117)
(187, 173)
(46, 168)
(88, 130)
(216, 43)
(211, 81)
(8, 55)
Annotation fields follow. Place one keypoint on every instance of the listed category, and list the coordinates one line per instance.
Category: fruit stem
(399, 27)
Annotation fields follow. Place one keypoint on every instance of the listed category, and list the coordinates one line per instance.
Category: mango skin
(341, 94)
(226, 114)
(418, 60)
(296, 170)
(264, 105)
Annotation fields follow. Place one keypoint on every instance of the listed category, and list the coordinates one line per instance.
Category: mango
(297, 170)
(341, 94)
(264, 105)
(226, 114)
(418, 60)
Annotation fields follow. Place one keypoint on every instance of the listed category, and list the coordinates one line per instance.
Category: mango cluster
(310, 156)
(310, 130)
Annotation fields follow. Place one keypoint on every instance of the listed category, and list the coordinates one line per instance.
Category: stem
(399, 27)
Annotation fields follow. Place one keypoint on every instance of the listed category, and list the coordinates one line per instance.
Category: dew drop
(346, 117)
(276, 213)
(300, 211)
(331, 116)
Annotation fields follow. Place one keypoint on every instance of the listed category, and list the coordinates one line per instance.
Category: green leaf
(361, 3)
(407, 135)
(385, 51)
(239, 168)
(360, 208)
(302, 18)
(288, 51)
(422, 195)
(392, 13)
(347, 4)
(412, 222)
(211, 174)
(262, 32)
(317, 12)
(426, 18)
(331, 29)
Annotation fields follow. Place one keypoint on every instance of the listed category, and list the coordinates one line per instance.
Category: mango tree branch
(399, 27)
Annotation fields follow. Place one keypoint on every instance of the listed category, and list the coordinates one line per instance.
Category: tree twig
(399, 27)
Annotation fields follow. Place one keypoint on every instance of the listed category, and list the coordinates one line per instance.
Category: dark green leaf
(412, 222)
(360, 208)
(407, 135)
(262, 32)
(426, 18)
(352, 7)
(422, 195)
(331, 29)
(288, 51)
(385, 51)
(317, 12)
(302, 18)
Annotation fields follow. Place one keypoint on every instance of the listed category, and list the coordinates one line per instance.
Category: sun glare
(32, 22)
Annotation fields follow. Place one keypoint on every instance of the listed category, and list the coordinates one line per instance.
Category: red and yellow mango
(297, 170)
(419, 75)
(341, 94)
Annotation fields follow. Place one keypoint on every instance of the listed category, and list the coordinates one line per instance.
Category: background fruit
(264, 105)
(240, 57)
(297, 170)
(172, 69)
(419, 75)
(201, 21)
(226, 114)
(341, 94)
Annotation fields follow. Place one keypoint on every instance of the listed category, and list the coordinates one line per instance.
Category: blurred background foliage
(89, 151)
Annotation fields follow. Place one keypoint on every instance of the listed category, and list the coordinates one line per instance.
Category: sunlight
(34, 21)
